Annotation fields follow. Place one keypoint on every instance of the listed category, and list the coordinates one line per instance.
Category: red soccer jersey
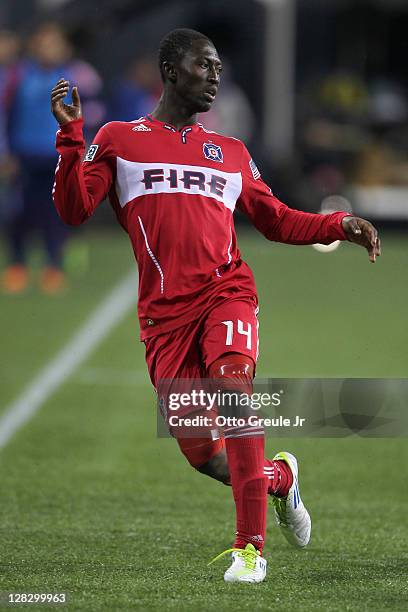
(174, 192)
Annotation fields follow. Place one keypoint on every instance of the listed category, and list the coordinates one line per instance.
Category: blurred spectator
(9, 188)
(31, 138)
(137, 92)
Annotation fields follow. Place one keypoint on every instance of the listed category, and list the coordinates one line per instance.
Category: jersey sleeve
(275, 220)
(81, 183)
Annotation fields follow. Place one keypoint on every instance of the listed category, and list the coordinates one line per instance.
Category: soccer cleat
(248, 565)
(290, 513)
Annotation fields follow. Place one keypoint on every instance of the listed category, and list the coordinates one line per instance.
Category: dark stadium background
(285, 56)
(92, 502)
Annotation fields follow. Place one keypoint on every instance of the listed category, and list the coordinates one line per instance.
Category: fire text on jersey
(137, 179)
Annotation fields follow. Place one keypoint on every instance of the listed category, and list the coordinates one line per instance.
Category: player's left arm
(277, 222)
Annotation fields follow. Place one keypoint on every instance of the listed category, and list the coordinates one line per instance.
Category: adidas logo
(141, 128)
(257, 538)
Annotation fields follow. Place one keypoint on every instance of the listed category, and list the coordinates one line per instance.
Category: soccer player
(174, 187)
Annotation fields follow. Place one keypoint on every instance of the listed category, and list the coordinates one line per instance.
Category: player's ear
(169, 71)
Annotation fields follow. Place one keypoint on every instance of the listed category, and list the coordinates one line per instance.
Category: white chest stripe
(136, 179)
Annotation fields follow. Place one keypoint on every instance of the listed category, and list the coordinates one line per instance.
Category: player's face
(198, 77)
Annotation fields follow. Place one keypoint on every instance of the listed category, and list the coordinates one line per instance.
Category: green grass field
(93, 504)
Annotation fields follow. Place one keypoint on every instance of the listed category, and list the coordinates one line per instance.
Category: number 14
(240, 330)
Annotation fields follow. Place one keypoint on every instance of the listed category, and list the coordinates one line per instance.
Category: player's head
(190, 66)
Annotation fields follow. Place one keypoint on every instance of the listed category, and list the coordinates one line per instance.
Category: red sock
(249, 486)
(279, 476)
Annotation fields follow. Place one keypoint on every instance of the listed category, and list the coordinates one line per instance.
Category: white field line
(98, 325)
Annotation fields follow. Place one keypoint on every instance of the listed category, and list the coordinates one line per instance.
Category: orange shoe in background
(52, 281)
(15, 279)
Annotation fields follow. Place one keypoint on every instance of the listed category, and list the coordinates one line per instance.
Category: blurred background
(317, 90)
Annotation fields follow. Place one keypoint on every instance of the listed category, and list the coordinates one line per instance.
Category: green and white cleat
(248, 565)
(290, 513)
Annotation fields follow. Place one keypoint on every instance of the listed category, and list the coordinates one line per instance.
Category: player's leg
(207, 456)
(229, 345)
(17, 225)
(15, 278)
(216, 466)
(244, 444)
(233, 327)
(176, 357)
(277, 472)
(291, 516)
(281, 471)
(54, 232)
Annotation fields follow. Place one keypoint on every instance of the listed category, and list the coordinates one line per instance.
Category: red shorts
(187, 352)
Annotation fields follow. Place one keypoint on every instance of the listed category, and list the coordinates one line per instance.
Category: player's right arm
(79, 185)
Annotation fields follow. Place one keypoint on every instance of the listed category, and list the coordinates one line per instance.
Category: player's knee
(233, 371)
(232, 374)
(217, 467)
(206, 455)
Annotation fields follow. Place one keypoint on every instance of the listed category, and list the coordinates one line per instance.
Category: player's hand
(61, 111)
(364, 234)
